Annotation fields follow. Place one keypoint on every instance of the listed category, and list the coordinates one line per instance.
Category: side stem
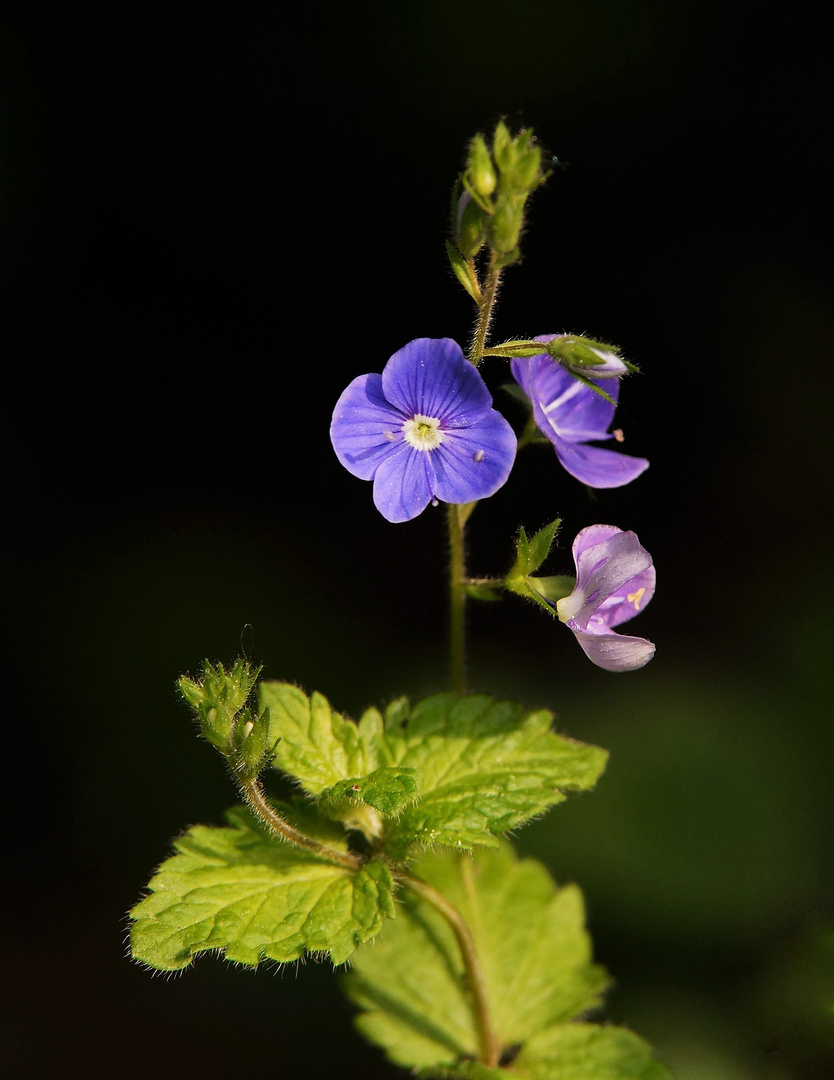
(490, 1047)
(257, 802)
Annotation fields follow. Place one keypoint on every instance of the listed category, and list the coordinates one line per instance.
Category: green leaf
(483, 768)
(240, 891)
(387, 790)
(588, 1052)
(530, 554)
(530, 938)
(318, 746)
(479, 767)
(480, 591)
(570, 1052)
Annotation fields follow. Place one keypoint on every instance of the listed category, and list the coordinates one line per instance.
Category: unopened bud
(481, 173)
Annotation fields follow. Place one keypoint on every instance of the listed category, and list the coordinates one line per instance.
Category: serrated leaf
(481, 767)
(239, 891)
(531, 552)
(533, 948)
(318, 746)
(588, 1052)
(387, 790)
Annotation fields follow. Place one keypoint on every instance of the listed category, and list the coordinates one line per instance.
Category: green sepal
(388, 790)
(462, 273)
(240, 891)
(593, 386)
(534, 951)
(577, 349)
(554, 588)
(218, 697)
(479, 591)
(253, 745)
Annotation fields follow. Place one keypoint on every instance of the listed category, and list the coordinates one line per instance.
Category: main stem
(488, 295)
(490, 1047)
(458, 515)
(457, 599)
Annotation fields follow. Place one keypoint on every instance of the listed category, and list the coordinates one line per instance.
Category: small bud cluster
(219, 704)
(491, 193)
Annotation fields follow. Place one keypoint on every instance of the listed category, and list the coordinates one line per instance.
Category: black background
(212, 220)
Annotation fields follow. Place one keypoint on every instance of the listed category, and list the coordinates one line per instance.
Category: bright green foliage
(533, 947)
(530, 554)
(318, 746)
(588, 1052)
(240, 891)
(387, 790)
(480, 767)
(570, 1052)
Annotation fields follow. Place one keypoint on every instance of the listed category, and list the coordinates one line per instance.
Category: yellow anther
(635, 598)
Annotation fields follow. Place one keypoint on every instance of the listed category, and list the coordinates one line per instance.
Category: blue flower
(571, 415)
(423, 430)
(615, 580)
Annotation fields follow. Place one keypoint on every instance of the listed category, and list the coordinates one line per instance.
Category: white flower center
(423, 432)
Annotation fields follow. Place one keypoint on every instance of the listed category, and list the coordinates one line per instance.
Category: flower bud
(470, 231)
(505, 224)
(481, 174)
(588, 357)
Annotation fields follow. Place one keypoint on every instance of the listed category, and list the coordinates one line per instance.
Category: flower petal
(401, 484)
(431, 376)
(562, 404)
(616, 652)
(365, 428)
(611, 566)
(629, 600)
(473, 462)
(597, 467)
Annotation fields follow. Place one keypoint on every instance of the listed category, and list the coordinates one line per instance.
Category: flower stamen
(423, 432)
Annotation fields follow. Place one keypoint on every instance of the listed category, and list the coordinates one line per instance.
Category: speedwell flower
(423, 430)
(571, 415)
(614, 580)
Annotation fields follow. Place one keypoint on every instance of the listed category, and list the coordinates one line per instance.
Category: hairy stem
(457, 598)
(258, 803)
(490, 1047)
(488, 295)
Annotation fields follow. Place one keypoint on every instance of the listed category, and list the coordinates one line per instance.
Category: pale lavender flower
(615, 580)
(423, 430)
(571, 415)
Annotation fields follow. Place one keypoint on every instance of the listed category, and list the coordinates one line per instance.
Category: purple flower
(571, 415)
(614, 580)
(423, 430)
